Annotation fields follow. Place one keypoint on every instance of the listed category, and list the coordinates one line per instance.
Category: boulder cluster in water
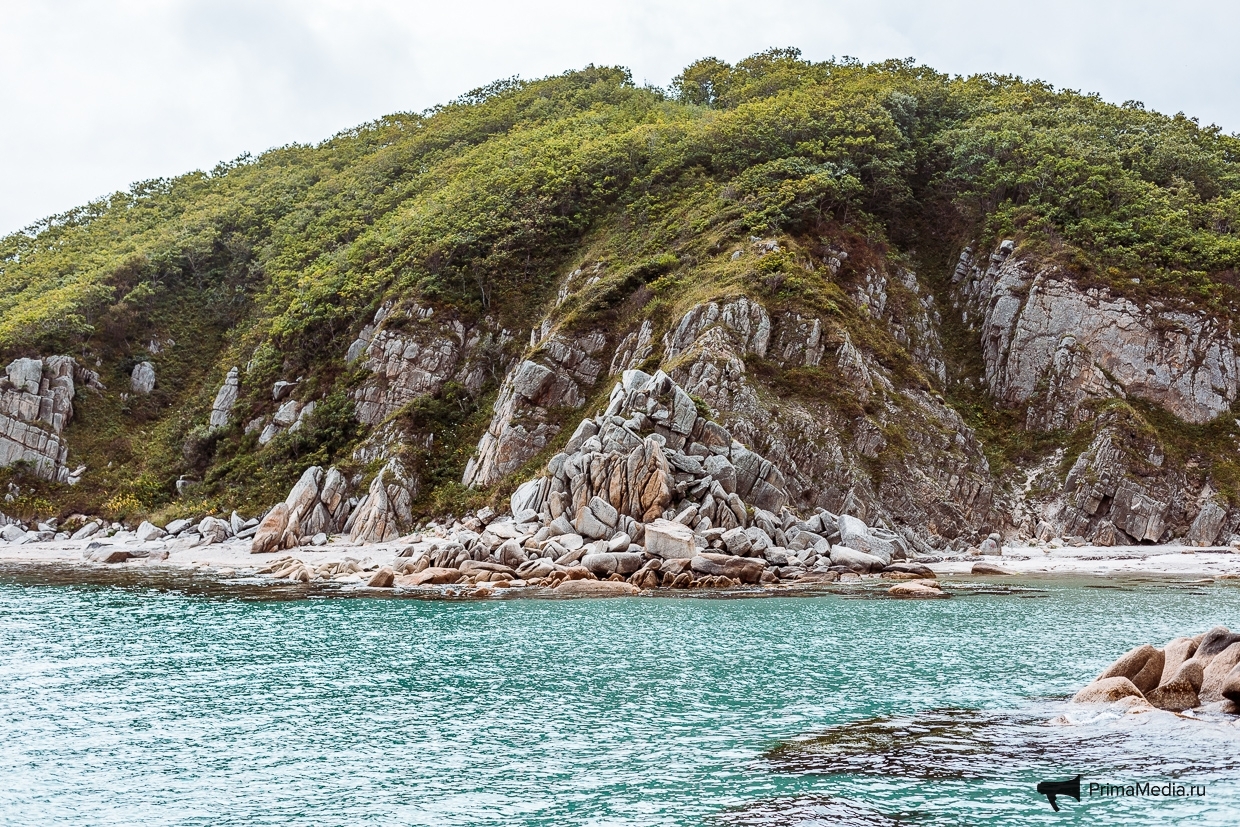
(1187, 673)
(648, 494)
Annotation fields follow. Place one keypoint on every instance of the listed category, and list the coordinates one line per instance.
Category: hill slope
(951, 305)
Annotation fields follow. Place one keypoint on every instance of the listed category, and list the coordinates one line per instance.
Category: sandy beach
(233, 557)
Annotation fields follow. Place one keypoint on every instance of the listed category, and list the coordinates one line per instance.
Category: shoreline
(232, 561)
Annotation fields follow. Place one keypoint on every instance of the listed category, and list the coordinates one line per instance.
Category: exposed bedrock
(527, 412)
(823, 445)
(1054, 346)
(934, 481)
(36, 405)
(413, 352)
(1059, 352)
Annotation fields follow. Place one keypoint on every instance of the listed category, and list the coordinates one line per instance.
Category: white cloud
(96, 95)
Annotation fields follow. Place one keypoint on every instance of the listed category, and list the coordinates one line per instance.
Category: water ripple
(142, 704)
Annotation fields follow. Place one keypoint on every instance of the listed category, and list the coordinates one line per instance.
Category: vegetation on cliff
(276, 261)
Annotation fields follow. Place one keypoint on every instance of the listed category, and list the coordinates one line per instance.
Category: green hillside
(480, 207)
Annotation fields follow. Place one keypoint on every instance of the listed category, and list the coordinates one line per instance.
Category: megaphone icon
(1050, 789)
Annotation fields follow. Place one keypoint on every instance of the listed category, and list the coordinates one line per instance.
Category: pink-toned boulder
(1142, 665)
(1107, 690)
(271, 530)
(435, 576)
(1180, 692)
(1217, 670)
(1174, 655)
(595, 588)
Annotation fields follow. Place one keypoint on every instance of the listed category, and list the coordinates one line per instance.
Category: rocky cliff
(818, 287)
(36, 404)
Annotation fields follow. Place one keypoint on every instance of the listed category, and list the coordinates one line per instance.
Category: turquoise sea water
(137, 704)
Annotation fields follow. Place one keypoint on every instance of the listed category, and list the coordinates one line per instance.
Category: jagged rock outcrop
(940, 482)
(1051, 345)
(1118, 484)
(225, 399)
(647, 494)
(1059, 352)
(651, 454)
(412, 353)
(384, 513)
(908, 311)
(557, 376)
(318, 503)
(36, 404)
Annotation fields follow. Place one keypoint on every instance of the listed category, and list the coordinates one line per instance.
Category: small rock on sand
(110, 555)
(382, 579)
(988, 568)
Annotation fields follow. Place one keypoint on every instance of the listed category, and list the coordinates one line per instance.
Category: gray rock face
(413, 353)
(1109, 490)
(635, 349)
(36, 404)
(1207, 524)
(142, 380)
(384, 513)
(1047, 342)
(225, 398)
(522, 423)
(894, 297)
(821, 453)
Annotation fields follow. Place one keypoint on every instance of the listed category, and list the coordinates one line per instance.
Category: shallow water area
(163, 698)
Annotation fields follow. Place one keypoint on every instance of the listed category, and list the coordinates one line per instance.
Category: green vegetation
(481, 205)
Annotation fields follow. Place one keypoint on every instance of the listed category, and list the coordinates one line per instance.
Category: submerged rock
(595, 588)
(917, 588)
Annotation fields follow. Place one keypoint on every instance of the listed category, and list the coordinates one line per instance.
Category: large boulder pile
(1188, 672)
(653, 493)
(652, 454)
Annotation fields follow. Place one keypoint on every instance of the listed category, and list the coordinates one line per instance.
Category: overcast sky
(97, 94)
